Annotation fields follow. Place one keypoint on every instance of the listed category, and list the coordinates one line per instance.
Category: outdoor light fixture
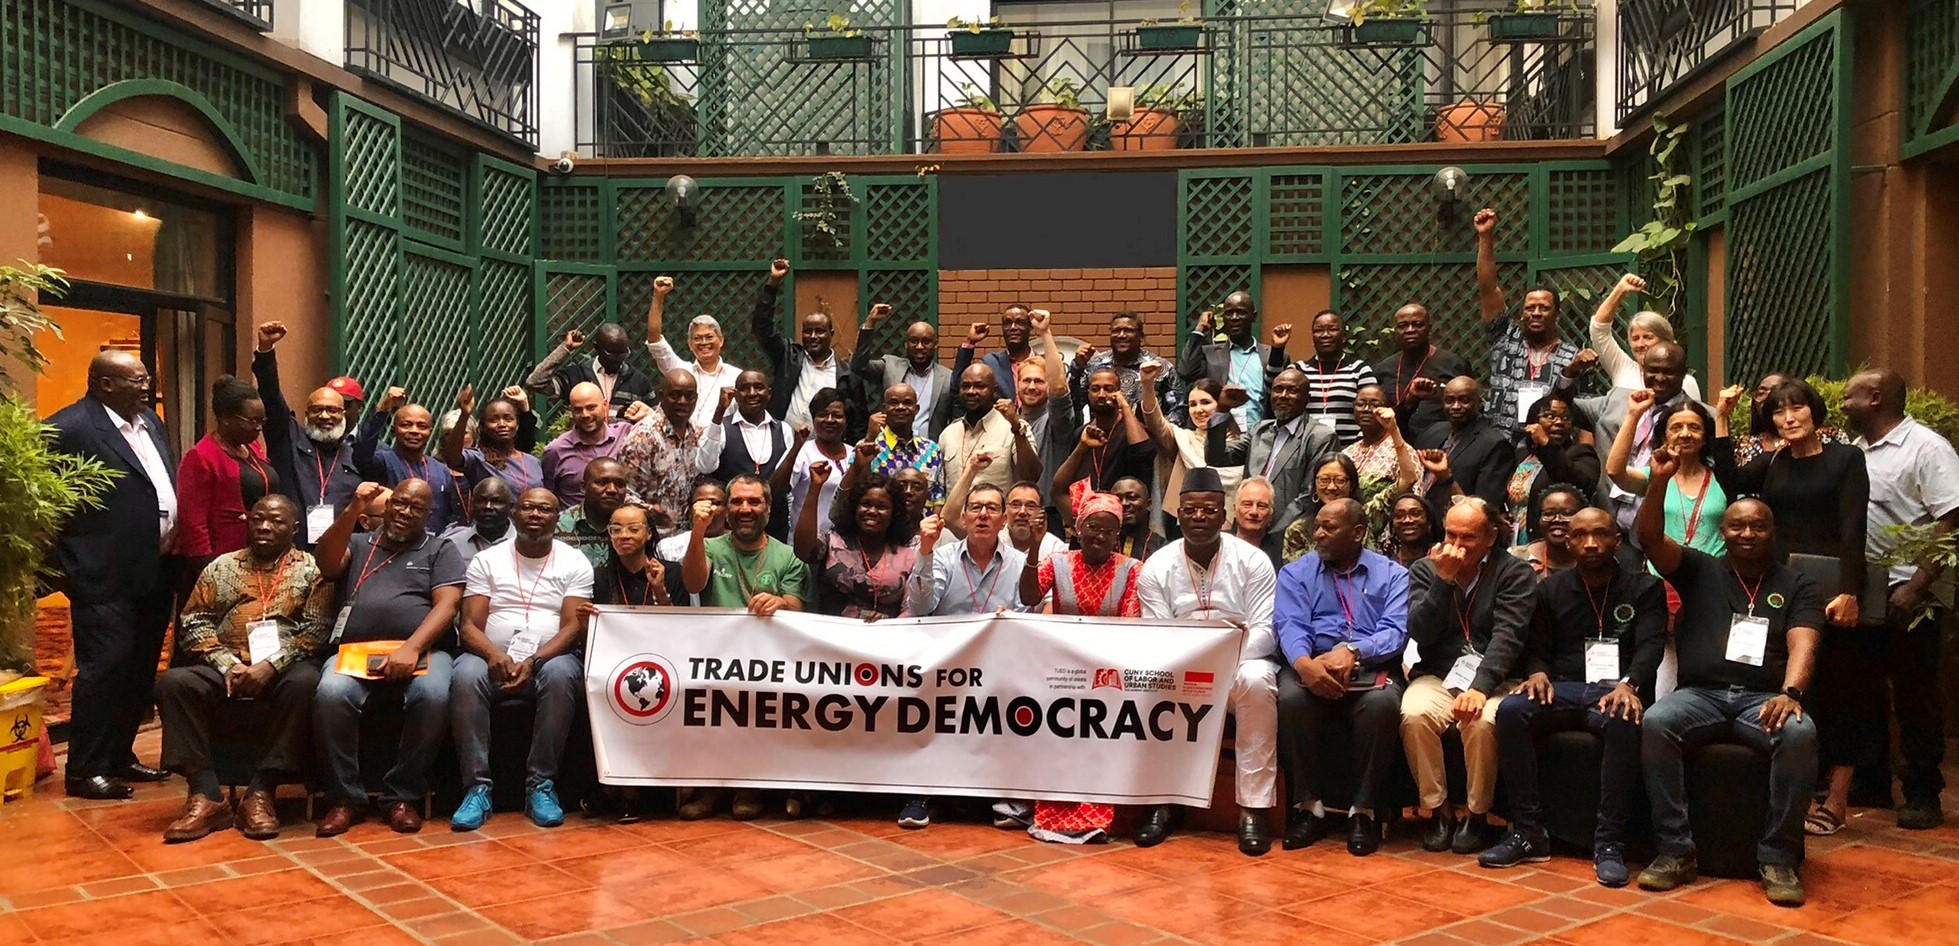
(1122, 102)
(1341, 9)
(1448, 185)
(680, 191)
(616, 21)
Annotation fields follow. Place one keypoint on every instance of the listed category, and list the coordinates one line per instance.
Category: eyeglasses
(983, 507)
(1331, 479)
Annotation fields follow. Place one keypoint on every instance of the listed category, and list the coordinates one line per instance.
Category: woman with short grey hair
(1646, 330)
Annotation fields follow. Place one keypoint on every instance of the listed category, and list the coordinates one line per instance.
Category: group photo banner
(1119, 711)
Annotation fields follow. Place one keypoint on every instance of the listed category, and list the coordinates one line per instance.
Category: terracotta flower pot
(1051, 128)
(1470, 121)
(966, 131)
(1148, 129)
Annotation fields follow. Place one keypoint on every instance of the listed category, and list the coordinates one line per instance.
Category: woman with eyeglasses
(1551, 453)
(1549, 526)
(1338, 478)
(220, 478)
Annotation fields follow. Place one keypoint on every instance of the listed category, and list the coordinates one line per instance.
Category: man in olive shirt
(583, 527)
(1746, 634)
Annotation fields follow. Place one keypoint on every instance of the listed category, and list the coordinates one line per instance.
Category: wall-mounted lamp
(1448, 186)
(680, 192)
(1122, 102)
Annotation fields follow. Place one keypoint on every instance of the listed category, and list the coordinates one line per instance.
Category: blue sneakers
(542, 805)
(474, 810)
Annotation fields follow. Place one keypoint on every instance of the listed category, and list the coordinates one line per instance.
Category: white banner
(1015, 706)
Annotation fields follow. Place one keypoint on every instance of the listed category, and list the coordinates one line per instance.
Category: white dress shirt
(136, 433)
(1914, 478)
(814, 378)
(708, 383)
(1240, 587)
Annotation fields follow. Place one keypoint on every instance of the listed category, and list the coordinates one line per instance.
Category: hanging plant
(831, 212)
(1660, 245)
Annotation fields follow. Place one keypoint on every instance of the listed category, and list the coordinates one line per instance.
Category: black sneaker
(1921, 814)
(1782, 884)
(1517, 847)
(1474, 836)
(1668, 872)
(1609, 863)
(1363, 835)
(1440, 831)
(1303, 828)
(917, 813)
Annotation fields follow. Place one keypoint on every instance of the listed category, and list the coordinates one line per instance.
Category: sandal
(1822, 822)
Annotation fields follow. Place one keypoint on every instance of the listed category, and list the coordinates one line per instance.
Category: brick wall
(1081, 299)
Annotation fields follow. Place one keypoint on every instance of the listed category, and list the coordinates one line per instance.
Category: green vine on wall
(1660, 245)
(831, 214)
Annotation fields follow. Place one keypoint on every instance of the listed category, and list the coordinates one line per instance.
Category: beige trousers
(1425, 717)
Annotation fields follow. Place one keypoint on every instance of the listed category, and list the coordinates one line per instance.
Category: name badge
(1602, 662)
(1748, 639)
(318, 520)
(521, 648)
(1528, 394)
(1463, 673)
(1327, 421)
(262, 638)
(340, 624)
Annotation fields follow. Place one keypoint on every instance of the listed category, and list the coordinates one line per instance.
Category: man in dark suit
(1286, 447)
(111, 566)
(806, 367)
(1240, 359)
(919, 368)
(621, 383)
(1481, 456)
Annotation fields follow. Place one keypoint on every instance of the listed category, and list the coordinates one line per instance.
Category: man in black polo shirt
(1746, 633)
(397, 583)
(1589, 662)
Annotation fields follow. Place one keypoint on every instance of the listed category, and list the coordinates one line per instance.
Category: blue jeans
(1521, 721)
(555, 687)
(1700, 715)
(337, 707)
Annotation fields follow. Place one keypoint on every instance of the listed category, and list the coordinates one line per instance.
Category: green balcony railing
(1224, 82)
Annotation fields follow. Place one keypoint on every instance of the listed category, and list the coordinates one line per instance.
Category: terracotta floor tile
(1120, 933)
(1832, 891)
(370, 936)
(447, 924)
(1026, 902)
(827, 930)
(280, 886)
(1010, 933)
(669, 830)
(285, 922)
(418, 909)
(1928, 916)
(1462, 893)
(175, 931)
(650, 933)
(1177, 909)
(649, 864)
(1072, 918)
(830, 898)
(1674, 911)
(152, 855)
(562, 843)
(1549, 881)
(1531, 920)
(1862, 858)
(1744, 929)
(490, 937)
(1277, 928)
(1572, 908)
(90, 917)
(45, 872)
(697, 888)
(1333, 862)
(119, 886)
(568, 913)
(712, 921)
(1486, 933)
(743, 845)
(1088, 878)
(803, 870)
(1373, 913)
(920, 915)
(956, 841)
(1267, 884)
(492, 887)
(459, 859)
(1182, 856)
(1627, 928)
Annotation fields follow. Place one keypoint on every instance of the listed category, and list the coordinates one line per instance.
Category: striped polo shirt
(1330, 392)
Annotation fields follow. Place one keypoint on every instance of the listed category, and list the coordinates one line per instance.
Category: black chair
(1727, 806)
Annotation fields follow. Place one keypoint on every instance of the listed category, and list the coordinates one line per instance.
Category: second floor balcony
(477, 58)
(1461, 72)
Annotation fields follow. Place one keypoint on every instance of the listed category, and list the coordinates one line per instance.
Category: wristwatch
(1794, 693)
(1353, 647)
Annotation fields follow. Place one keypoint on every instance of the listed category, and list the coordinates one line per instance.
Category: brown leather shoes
(256, 819)
(403, 817)
(201, 817)
(336, 821)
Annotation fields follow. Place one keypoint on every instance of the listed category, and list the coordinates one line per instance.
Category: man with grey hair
(704, 339)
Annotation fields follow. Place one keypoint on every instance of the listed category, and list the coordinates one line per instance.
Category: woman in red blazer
(221, 477)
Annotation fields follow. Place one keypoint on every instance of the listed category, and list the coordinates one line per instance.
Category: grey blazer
(875, 373)
(1292, 475)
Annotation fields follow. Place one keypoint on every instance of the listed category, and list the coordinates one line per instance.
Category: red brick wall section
(1081, 299)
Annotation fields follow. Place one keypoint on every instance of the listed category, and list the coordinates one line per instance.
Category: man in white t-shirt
(520, 634)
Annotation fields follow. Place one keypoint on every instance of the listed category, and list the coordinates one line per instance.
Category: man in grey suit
(109, 561)
(938, 395)
(1286, 447)
(1241, 359)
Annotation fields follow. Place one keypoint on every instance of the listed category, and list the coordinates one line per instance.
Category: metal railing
(1662, 43)
(1241, 81)
(477, 58)
(257, 13)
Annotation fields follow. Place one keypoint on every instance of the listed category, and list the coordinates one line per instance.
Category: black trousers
(1521, 722)
(1853, 701)
(190, 701)
(1376, 719)
(117, 644)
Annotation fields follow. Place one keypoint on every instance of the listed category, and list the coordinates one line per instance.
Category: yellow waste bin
(20, 736)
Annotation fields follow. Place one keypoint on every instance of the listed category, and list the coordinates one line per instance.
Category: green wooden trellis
(431, 257)
(1931, 81)
(1787, 179)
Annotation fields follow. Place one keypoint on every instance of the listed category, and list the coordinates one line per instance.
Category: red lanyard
(251, 460)
(1598, 604)
(319, 465)
(366, 572)
(974, 589)
(1532, 365)
(267, 589)
(1694, 518)
(1346, 607)
(1402, 390)
(1466, 603)
(1751, 593)
(527, 598)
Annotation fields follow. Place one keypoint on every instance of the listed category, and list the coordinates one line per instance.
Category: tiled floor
(99, 872)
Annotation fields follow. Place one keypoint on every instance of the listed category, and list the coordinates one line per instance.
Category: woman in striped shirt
(1333, 378)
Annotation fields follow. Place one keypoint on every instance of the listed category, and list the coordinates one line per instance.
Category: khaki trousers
(1425, 717)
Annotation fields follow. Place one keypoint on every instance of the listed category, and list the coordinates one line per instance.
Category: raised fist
(396, 397)
(1423, 388)
(976, 333)
(1235, 396)
(466, 398)
(269, 334)
(981, 460)
(366, 493)
(1580, 363)
(1631, 283)
(879, 312)
(703, 511)
(819, 473)
(1281, 334)
(929, 530)
(1151, 369)
(637, 411)
(518, 396)
(1094, 438)
(662, 285)
(1206, 323)
(1639, 402)
(574, 340)
(1485, 221)
(1083, 354)
(1434, 461)
(778, 268)
(1008, 409)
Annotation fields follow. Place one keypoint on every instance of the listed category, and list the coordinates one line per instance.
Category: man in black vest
(758, 444)
(110, 564)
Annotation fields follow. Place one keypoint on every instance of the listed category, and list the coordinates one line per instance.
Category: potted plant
(838, 40)
(1388, 23)
(1056, 121)
(1157, 119)
(644, 116)
(669, 45)
(980, 40)
(1186, 33)
(971, 127)
(1529, 21)
(1468, 121)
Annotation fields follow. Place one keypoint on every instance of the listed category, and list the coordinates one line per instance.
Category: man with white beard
(314, 455)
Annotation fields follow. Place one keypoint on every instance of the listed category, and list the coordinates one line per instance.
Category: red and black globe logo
(641, 689)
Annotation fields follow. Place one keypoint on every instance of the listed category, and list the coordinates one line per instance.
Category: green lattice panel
(898, 222)
(1397, 214)
(54, 53)
(505, 208)
(434, 189)
(571, 221)
(435, 303)
(1295, 214)
(733, 224)
(1369, 293)
(818, 246)
(1710, 142)
(1221, 216)
(371, 255)
(755, 100)
(1306, 88)
(1583, 211)
(574, 301)
(1204, 287)
(503, 324)
(1780, 294)
(1778, 117)
(371, 156)
(726, 294)
(1580, 288)
(1931, 61)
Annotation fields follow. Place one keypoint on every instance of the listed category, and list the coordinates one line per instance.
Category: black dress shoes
(138, 772)
(1253, 839)
(1474, 836)
(1363, 835)
(1302, 829)
(1440, 832)
(99, 788)
(1155, 827)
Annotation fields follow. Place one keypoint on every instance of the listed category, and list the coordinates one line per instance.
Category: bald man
(312, 454)
(666, 450)
(619, 384)
(593, 435)
(110, 561)
(412, 427)
(991, 426)
(931, 383)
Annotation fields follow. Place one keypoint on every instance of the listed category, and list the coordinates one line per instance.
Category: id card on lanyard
(1463, 672)
(1748, 635)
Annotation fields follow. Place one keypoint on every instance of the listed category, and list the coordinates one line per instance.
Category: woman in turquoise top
(1696, 498)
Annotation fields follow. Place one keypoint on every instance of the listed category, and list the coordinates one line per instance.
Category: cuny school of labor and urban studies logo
(1195, 682)
(641, 689)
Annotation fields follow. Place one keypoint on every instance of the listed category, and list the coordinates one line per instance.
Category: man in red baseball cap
(347, 388)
